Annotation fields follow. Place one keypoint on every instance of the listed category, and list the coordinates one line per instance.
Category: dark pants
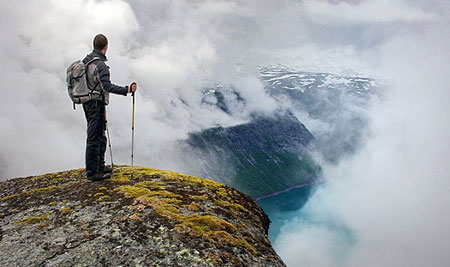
(96, 139)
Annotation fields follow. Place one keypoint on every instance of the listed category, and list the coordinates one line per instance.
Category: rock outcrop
(159, 218)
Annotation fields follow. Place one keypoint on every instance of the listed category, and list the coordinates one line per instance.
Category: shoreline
(288, 189)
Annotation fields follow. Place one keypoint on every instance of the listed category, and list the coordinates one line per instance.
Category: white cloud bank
(389, 205)
(39, 131)
(375, 11)
(170, 47)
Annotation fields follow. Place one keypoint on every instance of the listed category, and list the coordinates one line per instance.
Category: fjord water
(283, 206)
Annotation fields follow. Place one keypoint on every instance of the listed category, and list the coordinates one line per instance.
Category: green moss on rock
(9, 197)
(187, 219)
(33, 220)
(225, 238)
(102, 198)
(66, 210)
(206, 223)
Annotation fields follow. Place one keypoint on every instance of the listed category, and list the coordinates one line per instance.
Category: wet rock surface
(159, 218)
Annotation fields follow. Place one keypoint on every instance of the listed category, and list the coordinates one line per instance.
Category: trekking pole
(132, 138)
(109, 141)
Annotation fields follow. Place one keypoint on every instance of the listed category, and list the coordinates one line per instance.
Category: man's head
(101, 43)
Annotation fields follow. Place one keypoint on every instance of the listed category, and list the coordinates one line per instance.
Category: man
(94, 111)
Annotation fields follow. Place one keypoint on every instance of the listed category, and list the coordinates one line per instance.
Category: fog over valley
(354, 94)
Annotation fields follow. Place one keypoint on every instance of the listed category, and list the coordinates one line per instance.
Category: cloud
(388, 205)
(170, 48)
(365, 11)
(40, 132)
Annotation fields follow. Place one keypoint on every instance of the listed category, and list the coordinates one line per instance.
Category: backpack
(83, 82)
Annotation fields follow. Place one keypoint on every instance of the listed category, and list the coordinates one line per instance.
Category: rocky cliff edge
(159, 218)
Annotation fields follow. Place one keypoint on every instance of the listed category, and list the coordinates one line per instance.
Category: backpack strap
(86, 70)
(92, 60)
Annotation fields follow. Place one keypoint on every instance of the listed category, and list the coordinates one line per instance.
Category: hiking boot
(106, 169)
(99, 176)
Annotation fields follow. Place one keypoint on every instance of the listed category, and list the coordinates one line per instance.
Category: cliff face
(158, 218)
(265, 155)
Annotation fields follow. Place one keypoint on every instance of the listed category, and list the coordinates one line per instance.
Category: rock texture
(159, 218)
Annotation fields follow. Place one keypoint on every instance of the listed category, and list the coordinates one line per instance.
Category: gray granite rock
(159, 218)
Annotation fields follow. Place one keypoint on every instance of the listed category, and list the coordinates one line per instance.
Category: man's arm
(103, 73)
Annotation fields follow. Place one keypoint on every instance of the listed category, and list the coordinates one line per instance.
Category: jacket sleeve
(103, 72)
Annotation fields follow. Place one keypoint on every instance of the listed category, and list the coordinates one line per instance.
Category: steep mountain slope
(265, 155)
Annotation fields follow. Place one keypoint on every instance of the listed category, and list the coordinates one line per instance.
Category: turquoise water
(285, 206)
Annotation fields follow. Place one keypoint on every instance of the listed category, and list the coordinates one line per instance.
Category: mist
(386, 205)
(173, 49)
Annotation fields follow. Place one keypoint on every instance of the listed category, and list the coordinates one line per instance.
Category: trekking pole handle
(131, 88)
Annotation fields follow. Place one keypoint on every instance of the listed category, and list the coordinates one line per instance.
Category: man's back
(104, 75)
(95, 112)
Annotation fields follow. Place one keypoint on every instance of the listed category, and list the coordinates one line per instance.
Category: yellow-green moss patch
(222, 192)
(177, 177)
(223, 237)
(150, 184)
(102, 198)
(165, 207)
(234, 206)
(102, 188)
(66, 210)
(201, 197)
(73, 183)
(166, 204)
(120, 178)
(135, 192)
(34, 179)
(53, 203)
(43, 189)
(132, 191)
(194, 206)
(203, 223)
(33, 220)
(9, 197)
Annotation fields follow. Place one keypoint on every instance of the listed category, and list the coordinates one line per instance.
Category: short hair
(100, 41)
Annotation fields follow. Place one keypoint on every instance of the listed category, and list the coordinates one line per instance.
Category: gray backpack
(83, 82)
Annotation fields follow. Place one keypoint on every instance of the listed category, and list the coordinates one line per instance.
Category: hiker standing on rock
(94, 110)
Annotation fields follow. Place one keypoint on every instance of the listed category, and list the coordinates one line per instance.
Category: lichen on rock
(158, 218)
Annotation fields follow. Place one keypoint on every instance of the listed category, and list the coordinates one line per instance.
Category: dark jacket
(103, 73)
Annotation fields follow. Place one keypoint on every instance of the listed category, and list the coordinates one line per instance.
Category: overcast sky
(392, 196)
(171, 48)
